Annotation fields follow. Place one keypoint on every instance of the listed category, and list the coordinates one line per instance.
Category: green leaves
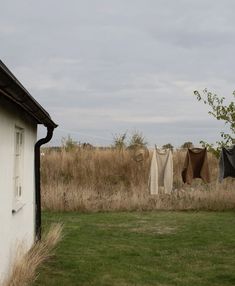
(220, 111)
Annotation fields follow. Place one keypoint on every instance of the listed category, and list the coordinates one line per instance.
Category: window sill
(17, 207)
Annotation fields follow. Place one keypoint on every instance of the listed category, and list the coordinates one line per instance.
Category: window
(18, 172)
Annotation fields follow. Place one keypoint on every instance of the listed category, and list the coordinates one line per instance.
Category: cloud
(102, 67)
(6, 30)
(153, 119)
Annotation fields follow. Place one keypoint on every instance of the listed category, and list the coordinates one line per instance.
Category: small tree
(220, 111)
(187, 145)
(137, 140)
(68, 143)
(168, 146)
(119, 141)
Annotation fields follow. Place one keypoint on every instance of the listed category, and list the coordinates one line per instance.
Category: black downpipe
(38, 144)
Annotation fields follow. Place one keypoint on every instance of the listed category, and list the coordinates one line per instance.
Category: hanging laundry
(140, 154)
(161, 172)
(227, 163)
(153, 177)
(196, 166)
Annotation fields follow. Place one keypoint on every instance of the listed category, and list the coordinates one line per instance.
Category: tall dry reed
(25, 266)
(111, 180)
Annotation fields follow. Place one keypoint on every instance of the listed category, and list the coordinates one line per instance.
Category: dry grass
(24, 270)
(110, 180)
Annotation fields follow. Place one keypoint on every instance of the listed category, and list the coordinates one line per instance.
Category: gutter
(14, 91)
(37, 165)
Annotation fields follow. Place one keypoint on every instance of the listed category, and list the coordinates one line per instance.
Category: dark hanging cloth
(227, 163)
(196, 166)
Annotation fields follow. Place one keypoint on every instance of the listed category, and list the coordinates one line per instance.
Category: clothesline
(84, 134)
(195, 166)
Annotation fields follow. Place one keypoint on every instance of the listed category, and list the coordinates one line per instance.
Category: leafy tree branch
(220, 111)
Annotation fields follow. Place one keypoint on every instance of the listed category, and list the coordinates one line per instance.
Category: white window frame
(18, 169)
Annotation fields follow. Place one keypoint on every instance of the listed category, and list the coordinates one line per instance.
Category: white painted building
(20, 207)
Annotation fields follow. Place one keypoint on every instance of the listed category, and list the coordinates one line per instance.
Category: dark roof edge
(10, 87)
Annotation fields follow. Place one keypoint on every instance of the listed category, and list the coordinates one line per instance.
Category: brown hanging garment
(196, 166)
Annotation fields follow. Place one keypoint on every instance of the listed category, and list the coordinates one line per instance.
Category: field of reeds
(112, 180)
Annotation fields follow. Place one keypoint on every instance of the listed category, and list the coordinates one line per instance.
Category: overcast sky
(103, 67)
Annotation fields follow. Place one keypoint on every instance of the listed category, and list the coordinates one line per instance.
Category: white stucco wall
(18, 227)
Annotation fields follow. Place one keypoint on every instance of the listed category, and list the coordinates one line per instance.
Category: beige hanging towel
(161, 172)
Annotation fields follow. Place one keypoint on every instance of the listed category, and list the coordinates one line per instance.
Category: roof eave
(15, 91)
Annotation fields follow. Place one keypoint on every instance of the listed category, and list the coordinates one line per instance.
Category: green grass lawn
(149, 248)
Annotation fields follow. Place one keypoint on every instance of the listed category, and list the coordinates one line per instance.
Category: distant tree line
(120, 142)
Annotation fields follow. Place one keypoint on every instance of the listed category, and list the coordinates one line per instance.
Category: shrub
(137, 141)
(168, 146)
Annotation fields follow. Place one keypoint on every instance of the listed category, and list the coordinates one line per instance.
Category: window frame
(19, 142)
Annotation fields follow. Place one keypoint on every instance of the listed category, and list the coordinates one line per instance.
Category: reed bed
(111, 180)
